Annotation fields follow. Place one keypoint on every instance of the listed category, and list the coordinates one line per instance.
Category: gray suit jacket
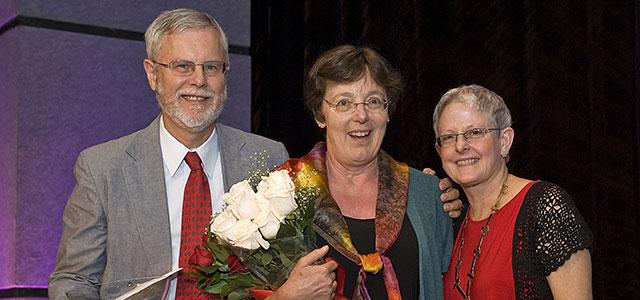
(116, 223)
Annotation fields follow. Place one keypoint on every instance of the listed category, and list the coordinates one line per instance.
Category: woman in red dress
(520, 239)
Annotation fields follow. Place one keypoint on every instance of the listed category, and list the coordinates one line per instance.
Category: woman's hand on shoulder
(450, 195)
(309, 280)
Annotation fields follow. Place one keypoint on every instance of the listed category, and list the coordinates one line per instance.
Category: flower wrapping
(261, 232)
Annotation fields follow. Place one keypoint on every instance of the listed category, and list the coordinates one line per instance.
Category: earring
(504, 154)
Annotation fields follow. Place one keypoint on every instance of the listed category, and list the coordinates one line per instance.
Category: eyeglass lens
(374, 104)
(471, 134)
(186, 68)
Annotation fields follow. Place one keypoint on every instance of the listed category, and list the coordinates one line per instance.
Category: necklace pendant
(461, 291)
(485, 229)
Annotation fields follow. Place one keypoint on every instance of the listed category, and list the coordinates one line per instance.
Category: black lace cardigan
(549, 229)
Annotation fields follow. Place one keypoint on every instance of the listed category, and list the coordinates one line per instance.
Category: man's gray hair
(179, 20)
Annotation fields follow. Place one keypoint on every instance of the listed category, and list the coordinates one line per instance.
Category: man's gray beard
(192, 123)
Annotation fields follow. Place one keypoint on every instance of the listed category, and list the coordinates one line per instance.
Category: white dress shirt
(176, 173)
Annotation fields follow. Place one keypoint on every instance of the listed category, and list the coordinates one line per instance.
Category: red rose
(205, 237)
(201, 257)
(236, 265)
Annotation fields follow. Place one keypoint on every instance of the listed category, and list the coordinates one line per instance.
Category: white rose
(268, 224)
(279, 191)
(222, 224)
(242, 201)
(243, 235)
(227, 198)
(262, 217)
(239, 190)
(261, 241)
(279, 179)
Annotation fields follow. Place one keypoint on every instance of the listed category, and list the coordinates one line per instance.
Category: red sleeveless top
(493, 277)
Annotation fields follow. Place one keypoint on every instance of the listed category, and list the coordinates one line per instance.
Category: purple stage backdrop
(61, 92)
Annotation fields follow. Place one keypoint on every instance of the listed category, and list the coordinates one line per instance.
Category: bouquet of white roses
(253, 243)
(250, 218)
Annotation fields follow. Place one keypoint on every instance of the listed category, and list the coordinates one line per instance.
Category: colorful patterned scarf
(329, 223)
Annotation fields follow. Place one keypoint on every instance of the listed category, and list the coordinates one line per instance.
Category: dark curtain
(568, 71)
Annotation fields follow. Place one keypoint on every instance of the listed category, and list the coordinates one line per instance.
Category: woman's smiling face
(354, 137)
(474, 161)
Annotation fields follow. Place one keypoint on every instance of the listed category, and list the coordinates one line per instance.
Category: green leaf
(285, 260)
(208, 269)
(242, 281)
(221, 254)
(216, 287)
(285, 231)
(197, 276)
(216, 276)
(275, 247)
(310, 237)
(231, 276)
(239, 294)
(225, 269)
(265, 259)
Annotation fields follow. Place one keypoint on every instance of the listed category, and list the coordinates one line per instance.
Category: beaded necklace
(476, 251)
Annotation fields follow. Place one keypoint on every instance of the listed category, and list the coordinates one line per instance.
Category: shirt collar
(173, 152)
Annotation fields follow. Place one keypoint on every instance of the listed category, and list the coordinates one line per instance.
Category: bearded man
(123, 222)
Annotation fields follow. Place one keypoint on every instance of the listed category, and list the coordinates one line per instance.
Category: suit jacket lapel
(234, 162)
(144, 176)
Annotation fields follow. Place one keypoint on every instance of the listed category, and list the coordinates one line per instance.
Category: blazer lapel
(233, 163)
(144, 177)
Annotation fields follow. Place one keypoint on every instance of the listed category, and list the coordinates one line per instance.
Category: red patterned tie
(196, 212)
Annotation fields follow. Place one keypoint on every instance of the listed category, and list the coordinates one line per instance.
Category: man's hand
(309, 280)
(449, 196)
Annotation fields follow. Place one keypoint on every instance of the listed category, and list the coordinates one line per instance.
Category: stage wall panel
(234, 16)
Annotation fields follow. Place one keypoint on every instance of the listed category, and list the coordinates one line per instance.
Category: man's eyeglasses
(186, 68)
(372, 104)
(446, 140)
